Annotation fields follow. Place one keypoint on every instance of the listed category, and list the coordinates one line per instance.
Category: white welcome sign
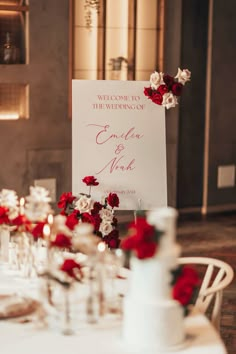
(118, 136)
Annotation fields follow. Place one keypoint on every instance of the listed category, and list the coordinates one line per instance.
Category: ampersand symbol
(119, 148)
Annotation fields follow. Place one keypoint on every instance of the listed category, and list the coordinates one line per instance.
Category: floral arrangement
(143, 240)
(185, 281)
(22, 218)
(83, 209)
(164, 89)
(37, 206)
(9, 207)
(66, 273)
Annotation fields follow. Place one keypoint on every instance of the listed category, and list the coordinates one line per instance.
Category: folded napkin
(14, 305)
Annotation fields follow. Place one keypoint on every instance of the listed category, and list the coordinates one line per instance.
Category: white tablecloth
(101, 338)
(104, 338)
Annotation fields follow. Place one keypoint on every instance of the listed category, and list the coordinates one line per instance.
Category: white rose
(156, 79)
(105, 227)
(169, 100)
(106, 215)
(84, 204)
(183, 76)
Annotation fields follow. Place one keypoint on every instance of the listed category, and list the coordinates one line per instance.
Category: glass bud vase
(4, 240)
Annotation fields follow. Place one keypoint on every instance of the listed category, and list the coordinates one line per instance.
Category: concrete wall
(40, 147)
(172, 60)
(189, 134)
(192, 104)
(223, 112)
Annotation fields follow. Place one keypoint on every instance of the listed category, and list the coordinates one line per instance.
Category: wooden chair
(218, 275)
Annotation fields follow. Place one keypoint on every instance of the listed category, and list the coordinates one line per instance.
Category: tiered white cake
(152, 319)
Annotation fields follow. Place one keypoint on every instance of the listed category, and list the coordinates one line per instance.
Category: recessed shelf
(13, 32)
(14, 101)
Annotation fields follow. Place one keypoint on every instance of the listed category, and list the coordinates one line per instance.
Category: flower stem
(67, 329)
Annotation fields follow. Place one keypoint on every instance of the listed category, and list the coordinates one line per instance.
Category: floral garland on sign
(83, 209)
(143, 240)
(164, 89)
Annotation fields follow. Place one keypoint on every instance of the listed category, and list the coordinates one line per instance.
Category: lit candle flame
(101, 247)
(50, 219)
(22, 203)
(46, 231)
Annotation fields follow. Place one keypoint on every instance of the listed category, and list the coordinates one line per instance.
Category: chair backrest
(218, 275)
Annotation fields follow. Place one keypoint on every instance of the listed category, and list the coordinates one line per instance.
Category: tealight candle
(22, 206)
(101, 247)
(46, 231)
(50, 219)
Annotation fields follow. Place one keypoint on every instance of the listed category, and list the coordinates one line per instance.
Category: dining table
(28, 336)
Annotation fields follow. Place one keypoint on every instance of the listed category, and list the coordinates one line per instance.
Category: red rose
(72, 220)
(129, 243)
(96, 208)
(72, 268)
(90, 181)
(65, 199)
(113, 200)
(162, 89)
(91, 219)
(183, 291)
(114, 234)
(22, 223)
(61, 241)
(143, 231)
(146, 250)
(142, 239)
(3, 215)
(157, 98)
(113, 243)
(168, 80)
(176, 88)
(96, 222)
(148, 92)
(191, 275)
(37, 231)
(112, 239)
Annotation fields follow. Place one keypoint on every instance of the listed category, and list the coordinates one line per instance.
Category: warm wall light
(9, 116)
(9, 13)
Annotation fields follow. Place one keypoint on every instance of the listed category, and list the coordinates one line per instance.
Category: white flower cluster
(37, 205)
(107, 219)
(85, 204)
(169, 99)
(9, 199)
